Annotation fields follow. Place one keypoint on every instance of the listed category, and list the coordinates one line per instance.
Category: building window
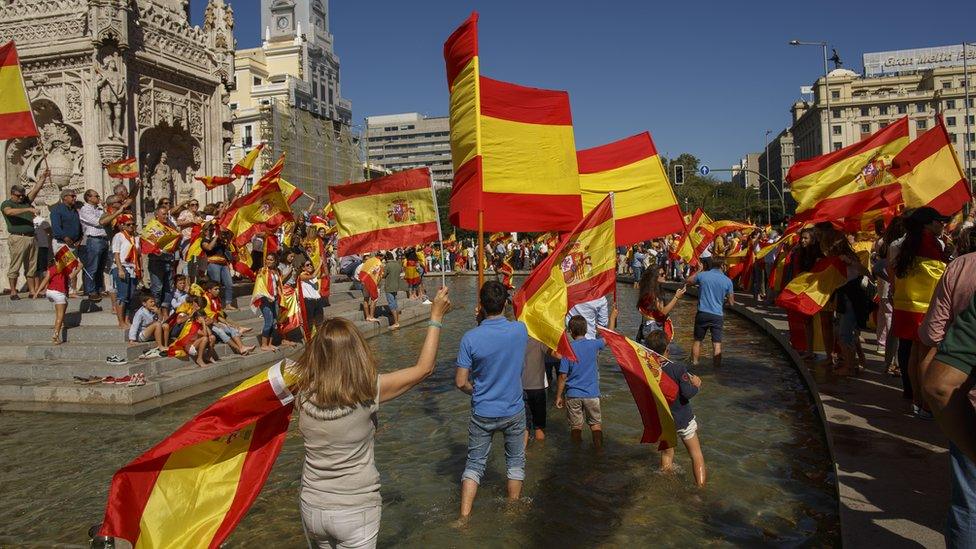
(946, 84)
(950, 103)
(921, 124)
(838, 145)
(865, 111)
(235, 80)
(972, 154)
(883, 109)
(952, 137)
(256, 80)
(248, 135)
(919, 107)
(265, 101)
(971, 120)
(950, 121)
(836, 113)
(865, 128)
(233, 106)
(834, 94)
(836, 130)
(902, 109)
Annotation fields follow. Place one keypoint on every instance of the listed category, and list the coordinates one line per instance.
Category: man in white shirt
(96, 252)
(596, 312)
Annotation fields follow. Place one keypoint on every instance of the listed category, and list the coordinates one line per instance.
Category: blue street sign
(704, 170)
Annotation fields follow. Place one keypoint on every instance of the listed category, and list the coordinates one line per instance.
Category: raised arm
(45, 176)
(666, 309)
(396, 383)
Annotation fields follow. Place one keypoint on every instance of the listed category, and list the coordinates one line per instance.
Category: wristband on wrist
(435, 323)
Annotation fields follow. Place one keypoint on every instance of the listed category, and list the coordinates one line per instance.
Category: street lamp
(769, 211)
(823, 45)
(965, 80)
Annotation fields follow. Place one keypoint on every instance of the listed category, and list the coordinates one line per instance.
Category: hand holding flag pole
(440, 233)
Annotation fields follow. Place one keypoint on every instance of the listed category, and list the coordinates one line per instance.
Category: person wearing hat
(18, 213)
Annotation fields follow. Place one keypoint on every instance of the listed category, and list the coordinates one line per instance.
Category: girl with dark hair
(917, 262)
(850, 302)
(887, 341)
(654, 311)
(264, 300)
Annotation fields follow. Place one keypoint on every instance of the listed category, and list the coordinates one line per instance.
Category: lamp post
(823, 45)
(769, 211)
(965, 81)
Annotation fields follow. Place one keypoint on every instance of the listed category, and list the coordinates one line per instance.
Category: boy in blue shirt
(579, 382)
(684, 417)
(714, 290)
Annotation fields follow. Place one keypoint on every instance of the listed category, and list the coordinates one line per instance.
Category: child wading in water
(684, 418)
(579, 382)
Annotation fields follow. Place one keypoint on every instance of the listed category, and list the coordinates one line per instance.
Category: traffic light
(678, 176)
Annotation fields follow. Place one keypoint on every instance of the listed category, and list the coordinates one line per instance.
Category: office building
(411, 140)
(781, 157)
(744, 174)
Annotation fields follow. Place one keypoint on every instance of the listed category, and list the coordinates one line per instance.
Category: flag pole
(614, 215)
(440, 234)
(481, 251)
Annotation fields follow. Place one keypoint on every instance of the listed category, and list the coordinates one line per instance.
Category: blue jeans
(638, 272)
(221, 275)
(960, 530)
(161, 280)
(269, 312)
(480, 431)
(125, 292)
(94, 260)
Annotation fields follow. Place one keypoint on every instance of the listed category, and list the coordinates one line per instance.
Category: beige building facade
(411, 140)
(744, 174)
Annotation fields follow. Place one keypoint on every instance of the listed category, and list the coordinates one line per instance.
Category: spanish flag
(245, 166)
(808, 292)
(645, 378)
(192, 489)
(16, 117)
(65, 261)
(507, 272)
(264, 288)
(390, 212)
(290, 309)
(513, 148)
(178, 347)
(127, 168)
(195, 248)
(581, 268)
(847, 183)
(157, 238)
(913, 293)
(631, 168)
(370, 274)
(692, 242)
(929, 172)
(211, 182)
(411, 272)
(264, 208)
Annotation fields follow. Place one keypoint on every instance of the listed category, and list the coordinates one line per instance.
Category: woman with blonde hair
(339, 392)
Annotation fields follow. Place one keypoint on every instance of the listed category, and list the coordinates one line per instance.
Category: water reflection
(769, 476)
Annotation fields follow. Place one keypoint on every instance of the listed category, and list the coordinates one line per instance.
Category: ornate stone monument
(109, 79)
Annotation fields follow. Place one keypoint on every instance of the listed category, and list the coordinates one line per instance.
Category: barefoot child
(579, 382)
(684, 418)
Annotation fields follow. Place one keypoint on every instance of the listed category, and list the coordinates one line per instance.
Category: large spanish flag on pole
(513, 148)
(929, 172)
(581, 268)
(644, 375)
(847, 183)
(809, 292)
(16, 117)
(264, 208)
(394, 211)
(245, 166)
(645, 204)
(192, 489)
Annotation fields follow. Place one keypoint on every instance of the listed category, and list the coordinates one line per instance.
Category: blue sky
(705, 77)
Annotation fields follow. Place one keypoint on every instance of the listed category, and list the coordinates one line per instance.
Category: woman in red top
(56, 284)
(654, 311)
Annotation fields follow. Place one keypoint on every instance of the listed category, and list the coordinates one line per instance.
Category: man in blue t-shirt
(714, 290)
(579, 382)
(489, 368)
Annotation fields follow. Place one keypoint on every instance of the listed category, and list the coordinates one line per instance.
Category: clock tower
(281, 19)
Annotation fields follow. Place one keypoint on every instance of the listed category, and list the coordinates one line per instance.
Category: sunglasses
(194, 204)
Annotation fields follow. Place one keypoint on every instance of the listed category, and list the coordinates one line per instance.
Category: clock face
(282, 23)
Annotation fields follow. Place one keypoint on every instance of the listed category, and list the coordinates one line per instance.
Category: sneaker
(924, 415)
(116, 360)
(151, 353)
(138, 380)
(427, 302)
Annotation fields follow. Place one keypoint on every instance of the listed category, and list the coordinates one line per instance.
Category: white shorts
(690, 430)
(56, 297)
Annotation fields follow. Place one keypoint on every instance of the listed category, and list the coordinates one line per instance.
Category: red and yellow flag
(159, 238)
(808, 292)
(929, 172)
(264, 288)
(689, 247)
(178, 348)
(390, 212)
(16, 117)
(127, 168)
(213, 181)
(913, 293)
(192, 489)
(370, 274)
(849, 183)
(265, 208)
(513, 148)
(581, 268)
(507, 272)
(644, 376)
(645, 204)
(195, 248)
(289, 309)
(65, 261)
(245, 166)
